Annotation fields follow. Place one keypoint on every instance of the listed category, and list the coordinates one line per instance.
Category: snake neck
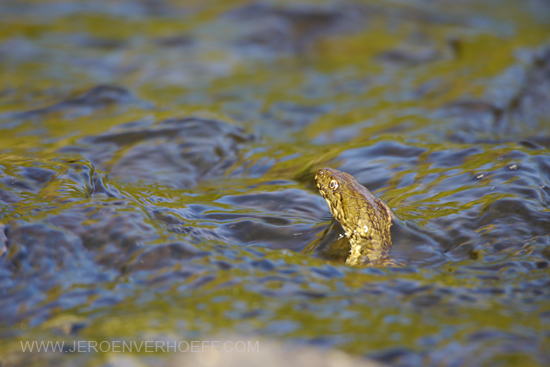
(369, 251)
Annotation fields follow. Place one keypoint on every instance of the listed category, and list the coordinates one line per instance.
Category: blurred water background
(156, 177)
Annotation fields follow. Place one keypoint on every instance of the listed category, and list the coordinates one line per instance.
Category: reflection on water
(157, 162)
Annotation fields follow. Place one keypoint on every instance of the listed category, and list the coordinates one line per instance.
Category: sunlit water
(157, 162)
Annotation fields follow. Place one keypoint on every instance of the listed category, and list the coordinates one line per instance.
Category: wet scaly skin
(365, 218)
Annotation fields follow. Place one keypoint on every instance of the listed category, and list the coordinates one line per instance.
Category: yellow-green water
(157, 162)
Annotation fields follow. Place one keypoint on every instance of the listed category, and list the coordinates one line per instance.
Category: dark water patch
(398, 357)
(311, 294)
(372, 165)
(413, 245)
(280, 219)
(290, 117)
(201, 281)
(293, 237)
(181, 228)
(276, 221)
(452, 157)
(124, 9)
(263, 264)
(293, 29)
(501, 228)
(296, 29)
(419, 49)
(331, 244)
(83, 40)
(477, 117)
(518, 111)
(42, 254)
(289, 201)
(115, 235)
(408, 58)
(175, 152)
(329, 271)
(175, 41)
(37, 174)
(514, 210)
(3, 240)
(8, 198)
(164, 255)
(492, 334)
(86, 103)
(26, 181)
(45, 259)
(38, 249)
(18, 49)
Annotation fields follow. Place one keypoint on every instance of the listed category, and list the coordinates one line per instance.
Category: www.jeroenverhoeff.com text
(143, 346)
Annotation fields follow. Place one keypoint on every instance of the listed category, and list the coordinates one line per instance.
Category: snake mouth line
(321, 189)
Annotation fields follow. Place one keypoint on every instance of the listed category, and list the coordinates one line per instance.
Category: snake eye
(333, 185)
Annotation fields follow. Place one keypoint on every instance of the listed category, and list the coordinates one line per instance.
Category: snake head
(349, 202)
(337, 187)
(331, 182)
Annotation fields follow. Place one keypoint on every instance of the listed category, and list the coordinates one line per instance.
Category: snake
(365, 219)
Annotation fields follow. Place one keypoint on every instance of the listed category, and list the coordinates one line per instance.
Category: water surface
(157, 162)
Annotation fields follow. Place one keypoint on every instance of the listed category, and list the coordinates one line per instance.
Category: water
(157, 162)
